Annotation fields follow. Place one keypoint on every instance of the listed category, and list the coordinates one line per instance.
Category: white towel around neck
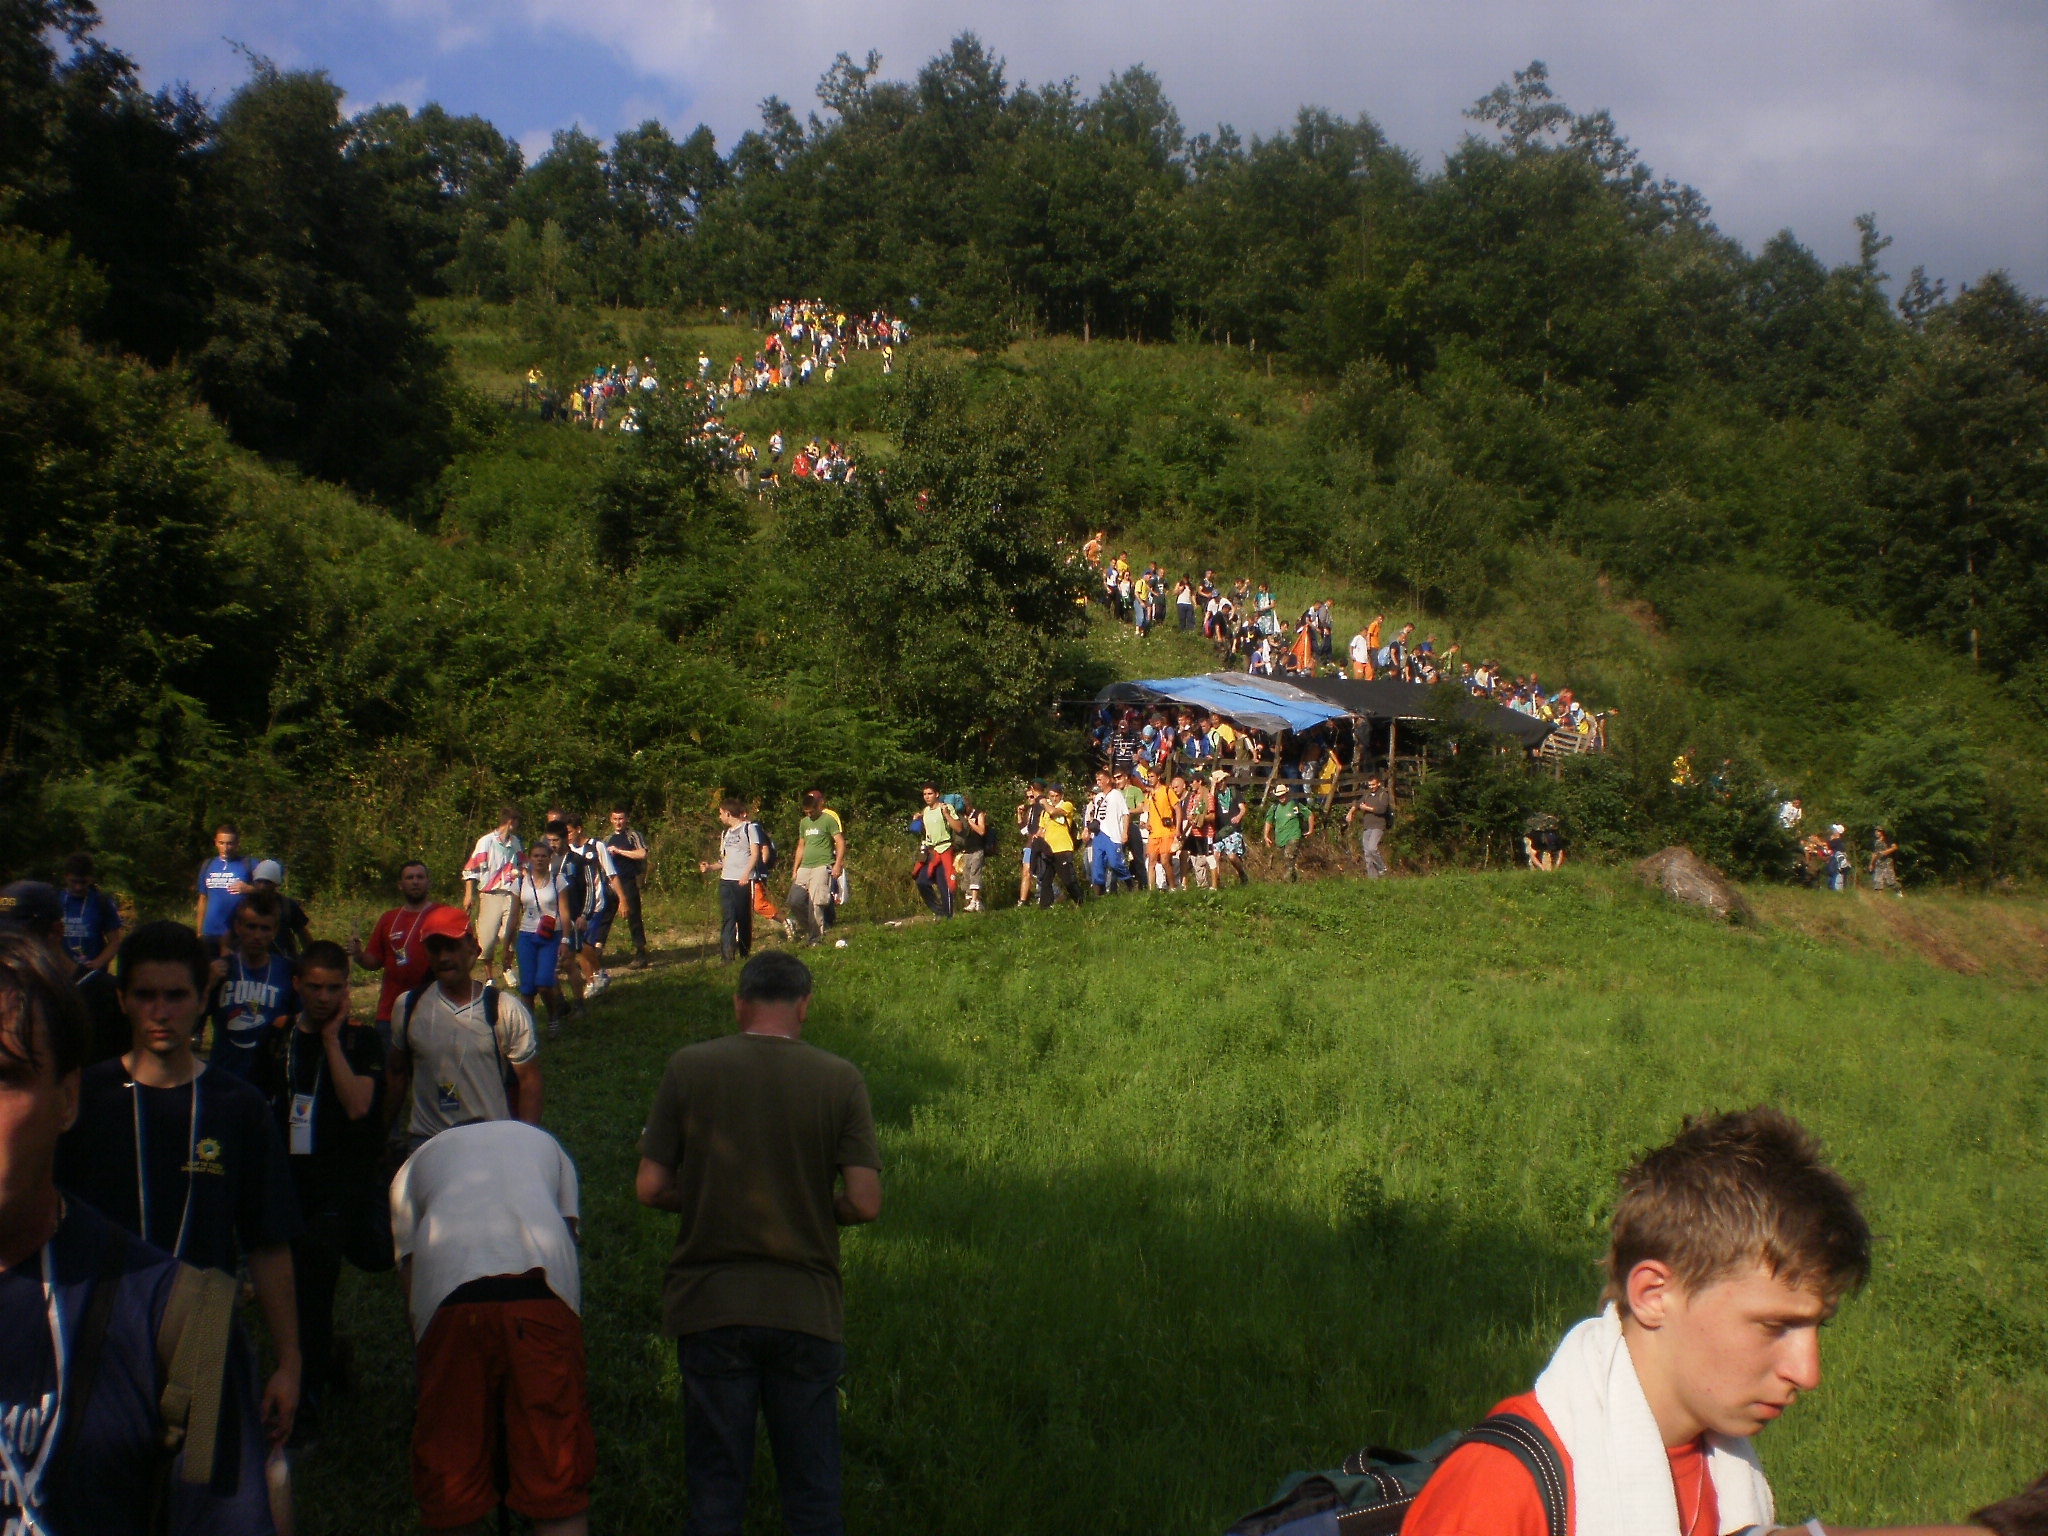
(1621, 1476)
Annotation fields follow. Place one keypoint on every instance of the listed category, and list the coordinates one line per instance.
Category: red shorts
(502, 1368)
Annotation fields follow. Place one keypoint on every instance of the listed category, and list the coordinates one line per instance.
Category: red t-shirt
(1482, 1490)
(397, 945)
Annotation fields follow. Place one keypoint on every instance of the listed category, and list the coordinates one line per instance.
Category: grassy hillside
(1204, 455)
(1184, 1194)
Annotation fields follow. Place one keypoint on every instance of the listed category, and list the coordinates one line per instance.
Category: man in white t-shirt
(454, 1042)
(1110, 814)
(484, 1221)
(487, 891)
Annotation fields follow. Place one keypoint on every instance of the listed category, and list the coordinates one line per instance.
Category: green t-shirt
(937, 831)
(757, 1128)
(1289, 821)
(814, 835)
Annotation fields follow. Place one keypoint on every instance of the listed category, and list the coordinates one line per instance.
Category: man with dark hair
(820, 861)
(398, 945)
(92, 923)
(492, 870)
(629, 859)
(748, 1137)
(591, 882)
(38, 910)
(935, 876)
(324, 1078)
(740, 854)
(185, 1157)
(222, 882)
(1731, 1246)
(252, 986)
(82, 1309)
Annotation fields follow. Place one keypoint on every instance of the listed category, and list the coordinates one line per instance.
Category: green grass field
(1185, 1193)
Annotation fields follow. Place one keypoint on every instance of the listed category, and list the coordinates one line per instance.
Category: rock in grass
(1684, 876)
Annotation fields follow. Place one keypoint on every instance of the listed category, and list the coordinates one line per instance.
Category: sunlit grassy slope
(1186, 1192)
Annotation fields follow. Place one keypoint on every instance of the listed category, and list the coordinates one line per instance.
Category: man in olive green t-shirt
(820, 861)
(1287, 823)
(748, 1137)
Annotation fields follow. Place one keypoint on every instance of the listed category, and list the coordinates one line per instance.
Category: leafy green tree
(440, 172)
(313, 351)
(1923, 779)
(1962, 478)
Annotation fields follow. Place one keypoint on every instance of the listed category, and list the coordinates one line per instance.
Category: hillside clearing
(1183, 1194)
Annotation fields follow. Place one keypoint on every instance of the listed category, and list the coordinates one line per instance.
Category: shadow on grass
(1103, 1347)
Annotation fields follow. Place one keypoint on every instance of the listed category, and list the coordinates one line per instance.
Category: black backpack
(768, 854)
(1371, 1493)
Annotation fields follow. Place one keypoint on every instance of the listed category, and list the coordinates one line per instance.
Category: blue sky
(1800, 113)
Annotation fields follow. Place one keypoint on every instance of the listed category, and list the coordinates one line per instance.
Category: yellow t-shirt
(1056, 826)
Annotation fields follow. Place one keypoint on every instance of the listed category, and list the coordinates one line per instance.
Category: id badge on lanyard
(302, 1125)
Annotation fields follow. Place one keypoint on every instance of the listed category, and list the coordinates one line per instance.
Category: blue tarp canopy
(1252, 702)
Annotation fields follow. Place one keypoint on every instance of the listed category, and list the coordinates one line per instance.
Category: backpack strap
(90, 1345)
(412, 1006)
(1528, 1444)
(192, 1351)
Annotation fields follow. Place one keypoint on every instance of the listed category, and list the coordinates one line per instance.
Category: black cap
(32, 905)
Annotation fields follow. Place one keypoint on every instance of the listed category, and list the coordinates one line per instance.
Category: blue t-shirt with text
(216, 875)
(89, 919)
(249, 1003)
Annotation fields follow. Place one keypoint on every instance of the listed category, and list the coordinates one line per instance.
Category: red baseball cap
(446, 922)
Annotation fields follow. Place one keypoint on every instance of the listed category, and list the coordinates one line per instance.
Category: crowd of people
(1243, 621)
(136, 1187)
(1826, 858)
(611, 390)
(805, 339)
(235, 1124)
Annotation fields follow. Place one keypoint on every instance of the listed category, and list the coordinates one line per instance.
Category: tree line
(1536, 347)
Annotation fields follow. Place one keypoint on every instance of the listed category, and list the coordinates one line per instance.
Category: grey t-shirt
(1372, 809)
(458, 1069)
(737, 849)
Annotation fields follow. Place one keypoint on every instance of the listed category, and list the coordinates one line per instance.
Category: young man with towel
(1731, 1247)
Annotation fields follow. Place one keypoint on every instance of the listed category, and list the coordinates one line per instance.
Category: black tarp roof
(1383, 699)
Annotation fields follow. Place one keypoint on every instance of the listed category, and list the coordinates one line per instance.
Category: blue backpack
(1371, 1493)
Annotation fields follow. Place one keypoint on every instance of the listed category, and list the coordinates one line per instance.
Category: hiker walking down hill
(460, 1052)
(87, 1311)
(741, 854)
(975, 836)
(1375, 812)
(488, 877)
(935, 876)
(764, 1147)
(183, 1156)
(629, 864)
(1288, 822)
(820, 861)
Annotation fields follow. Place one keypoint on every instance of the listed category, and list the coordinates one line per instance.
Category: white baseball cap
(269, 870)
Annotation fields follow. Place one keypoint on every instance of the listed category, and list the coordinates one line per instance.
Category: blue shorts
(599, 929)
(537, 960)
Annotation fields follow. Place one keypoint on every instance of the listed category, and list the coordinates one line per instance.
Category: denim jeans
(792, 1379)
(735, 918)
